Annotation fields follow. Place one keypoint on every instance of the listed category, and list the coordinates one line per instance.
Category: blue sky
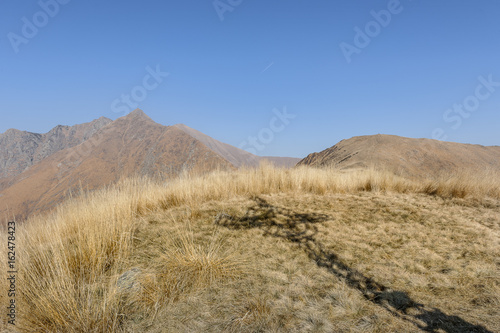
(408, 67)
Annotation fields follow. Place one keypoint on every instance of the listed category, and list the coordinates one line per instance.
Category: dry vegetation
(301, 250)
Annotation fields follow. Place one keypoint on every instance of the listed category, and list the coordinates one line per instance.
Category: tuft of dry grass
(68, 262)
(274, 272)
(184, 264)
(197, 264)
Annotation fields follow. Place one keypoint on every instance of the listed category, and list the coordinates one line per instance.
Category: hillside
(41, 170)
(131, 145)
(418, 158)
(266, 250)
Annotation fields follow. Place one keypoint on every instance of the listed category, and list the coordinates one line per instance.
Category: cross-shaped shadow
(301, 229)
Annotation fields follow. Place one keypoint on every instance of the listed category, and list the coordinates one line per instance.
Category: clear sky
(342, 68)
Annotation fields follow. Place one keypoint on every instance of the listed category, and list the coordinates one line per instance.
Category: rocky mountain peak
(137, 114)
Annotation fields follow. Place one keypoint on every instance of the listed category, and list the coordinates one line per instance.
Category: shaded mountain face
(20, 149)
(131, 145)
(236, 156)
(410, 157)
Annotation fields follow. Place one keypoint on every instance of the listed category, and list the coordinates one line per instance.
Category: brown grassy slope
(301, 250)
(419, 158)
(130, 145)
(20, 149)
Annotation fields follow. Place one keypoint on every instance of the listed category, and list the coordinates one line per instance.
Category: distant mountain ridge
(410, 157)
(21, 149)
(40, 170)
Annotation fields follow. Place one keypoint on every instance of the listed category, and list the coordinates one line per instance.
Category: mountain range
(38, 171)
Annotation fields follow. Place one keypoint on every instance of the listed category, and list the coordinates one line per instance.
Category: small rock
(128, 280)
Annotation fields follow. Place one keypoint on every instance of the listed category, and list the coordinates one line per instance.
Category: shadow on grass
(301, 229)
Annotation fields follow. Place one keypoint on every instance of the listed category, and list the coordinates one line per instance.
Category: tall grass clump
(68, 262)
(189, 264)
(483, 183)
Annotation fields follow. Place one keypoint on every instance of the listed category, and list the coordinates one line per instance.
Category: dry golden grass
(266, 249)
(182, 264)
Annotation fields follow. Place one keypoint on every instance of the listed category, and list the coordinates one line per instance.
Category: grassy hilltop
(266, 250)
